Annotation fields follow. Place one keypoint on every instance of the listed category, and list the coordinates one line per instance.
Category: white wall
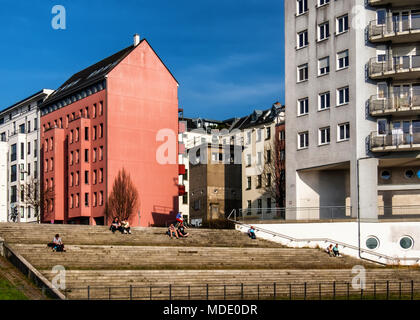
(388, 234)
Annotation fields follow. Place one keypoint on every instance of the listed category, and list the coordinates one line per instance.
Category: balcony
(394, 3)
(181, 190)
(395, 30)
(394, 141)
(404, 106)
(396, 68)
(181, 169)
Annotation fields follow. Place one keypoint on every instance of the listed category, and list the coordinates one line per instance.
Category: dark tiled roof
(90, 75)
(258, 117)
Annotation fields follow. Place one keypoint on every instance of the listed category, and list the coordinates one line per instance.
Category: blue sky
(228, 55)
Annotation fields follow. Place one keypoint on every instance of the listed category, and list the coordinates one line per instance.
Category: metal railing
(381, 104)
(393, 65)
(312, 290)
(360, 250)
(302, 213)
(392, 26)
(394, 139)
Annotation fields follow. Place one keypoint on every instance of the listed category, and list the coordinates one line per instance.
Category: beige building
(257, 133)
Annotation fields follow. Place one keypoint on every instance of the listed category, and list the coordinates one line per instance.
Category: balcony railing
(394, 141)
(395, 30)
(301, 213)
(380, 105)
(395, 67)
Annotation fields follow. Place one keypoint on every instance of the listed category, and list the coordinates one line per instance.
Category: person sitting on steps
(115, 225)
(181, 230)
(125, 227)
(329, 250)
(172, 231)
(58, 245)
(251, 233)
(336, 252)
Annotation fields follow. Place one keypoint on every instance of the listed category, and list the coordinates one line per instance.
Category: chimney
(136, 39)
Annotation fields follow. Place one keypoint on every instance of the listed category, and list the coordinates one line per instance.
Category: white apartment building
(4, 148)
(19, 132)
(353, 121)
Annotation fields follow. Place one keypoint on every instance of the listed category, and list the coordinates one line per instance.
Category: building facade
(263, 159)
(20, 163)
(106, 118)
(352, 87)
(215, 186)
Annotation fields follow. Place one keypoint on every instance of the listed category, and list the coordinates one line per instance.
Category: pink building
(105, 118)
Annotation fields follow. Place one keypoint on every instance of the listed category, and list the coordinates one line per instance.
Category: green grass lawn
(9, 292)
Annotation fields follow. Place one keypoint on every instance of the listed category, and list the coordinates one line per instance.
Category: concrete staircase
(214, 264)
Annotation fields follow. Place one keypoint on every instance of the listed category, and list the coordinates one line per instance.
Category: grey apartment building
(353, 116)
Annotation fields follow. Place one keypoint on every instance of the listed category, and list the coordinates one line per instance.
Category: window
(268, 156)
(249, 183)
(302, 72)
(268, 203)
(323, 66)
(303, 140)
(13, 151)
(86, 177)
(268, 133)
(342, 24)
(343, 96)
(77, 200)
(94, 111)
(324, 136)
(29, 148)
(94, 133)
(406, 242)
(302, 39)
(248, 137)
(259, 135)
(101, 108)
(71, 182)
(342, 59)
(101, 198)
(185, 199)
(95, 199)
(22, 128)
(101, 175)
(303, 106)
(13, 194)
(343, 132)
(259, 181)
(302, 6)
(36, 169)
(324, 101)
(95, 175)
(101, 130)
(101, 153)
(94, 154)
(196, 205)
(259, 206)
(35, 148)
(29, 169)
(29, 126)
(385, 175)
(323, 31)
(323, 2)
(268, 182)
(185, 175)
(22, 151)
(248, 160)
(71, 201)
(382, 126)
(36, 124)
(87, 133)
(86, 155)
(86, 199)
(77, 178)
(259, 158)
(13, 173)
(409, 174)
(77, 134)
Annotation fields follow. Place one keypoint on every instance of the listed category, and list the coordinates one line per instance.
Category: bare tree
(272, 173)
(123, 199)
(35, 197)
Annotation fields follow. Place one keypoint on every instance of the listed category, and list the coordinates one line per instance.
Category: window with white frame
(324, 136)
(248, 160)
(248, 137)
(303, 106)
(303, 140)
(303, 73)
(259, 158)
(342, 59)
(302, 6)
(342, 24)
(259, 135)
(302, 39)
(343, 96)
(323, 66)
(323, 31)
(324, 101)
(343, 132)
(323, 2)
